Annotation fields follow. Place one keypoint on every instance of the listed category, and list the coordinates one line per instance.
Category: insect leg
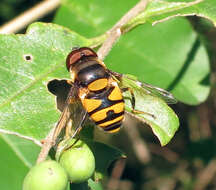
(133, 102)
(118, 76)
(132, 96)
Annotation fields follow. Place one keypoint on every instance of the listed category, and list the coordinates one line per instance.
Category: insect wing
(154, 91)
(159, 92)
(67, 102)
(77, 113)
(62, 122)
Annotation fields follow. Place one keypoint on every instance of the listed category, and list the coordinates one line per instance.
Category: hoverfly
(95, 94)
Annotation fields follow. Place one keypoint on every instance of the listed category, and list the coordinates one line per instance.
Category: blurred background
(188, 161)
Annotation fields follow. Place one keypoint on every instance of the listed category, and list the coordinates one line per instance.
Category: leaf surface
(13, 169)
(164, 55)
(27, 63)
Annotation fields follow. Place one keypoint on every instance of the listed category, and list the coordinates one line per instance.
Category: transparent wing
(62, 122)
(77, 113)
(159, 92)
(147, 88)
(69, 103)
(154, 91)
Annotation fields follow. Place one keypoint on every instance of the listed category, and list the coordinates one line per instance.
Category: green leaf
(205, 9)
(157, 113)
(24, 149)
(26, 107)
(95, 185)
(164, 55)
(13, 170)
(91, 18)
(94, 18)
(159, 11)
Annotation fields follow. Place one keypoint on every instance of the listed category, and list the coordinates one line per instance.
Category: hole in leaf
(28, 57)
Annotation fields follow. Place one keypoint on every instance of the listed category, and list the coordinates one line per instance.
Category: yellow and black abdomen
(106, 109)
(99, 93)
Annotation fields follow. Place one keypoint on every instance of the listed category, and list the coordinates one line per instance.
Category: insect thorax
(91, 74)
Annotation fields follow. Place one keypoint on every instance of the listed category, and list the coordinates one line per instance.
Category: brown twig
(29, 16)
(47, 145)
(113, 183)
(115, 32)
(139, 146)
(206, 176)
(203, 113)
(165, 152)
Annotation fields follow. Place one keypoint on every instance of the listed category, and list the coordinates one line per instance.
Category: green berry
(47, 175)
(79, 162)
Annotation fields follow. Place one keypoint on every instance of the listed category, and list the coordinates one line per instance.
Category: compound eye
(72, 58)
(77, 54)
(88, 52)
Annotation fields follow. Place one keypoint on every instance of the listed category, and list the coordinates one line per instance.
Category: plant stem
(116, 31)
(29, 16)
(47, 145)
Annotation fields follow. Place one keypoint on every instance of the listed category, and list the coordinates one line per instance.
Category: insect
(95, 93)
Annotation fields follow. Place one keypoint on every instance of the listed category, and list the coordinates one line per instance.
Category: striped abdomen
(106, 109)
